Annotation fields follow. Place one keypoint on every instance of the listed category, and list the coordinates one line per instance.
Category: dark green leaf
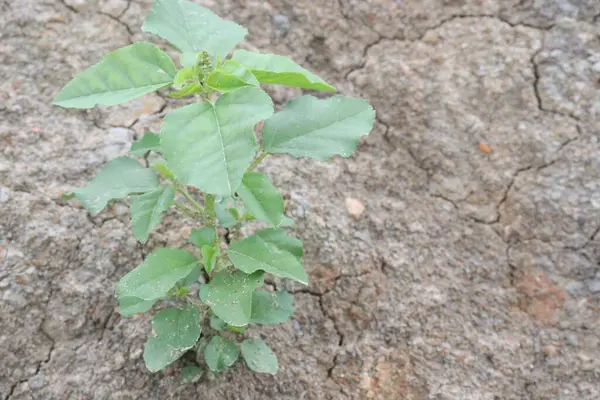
(206, 236)
(192, 28)
(259, 357)
(192, 277)
(319, 129)
(191, 373)
(211, 146)
(220, 354)
(150, 141)
(261, 198)
(272, 251)
(231, 76)
(147, 210)
(229, 295)
(118, 179)
(217, 323)
(161, 270)
(271, 308)
(158, 354)
(179, 328)
(120, 76)
(279, 70)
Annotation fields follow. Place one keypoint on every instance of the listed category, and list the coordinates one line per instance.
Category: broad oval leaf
(272, 251)
(206, 236)
(271, 308)
(129, 306)
(220, 354)
(229, 295)
(261, 198)
(118, 179)
(259, 357)
(150, 141)
(280, 70)
(120, 76)
(161, 270)
(217, 323)
(178, 327)
(319, 129)
(147, 210)
(211, 146)
(231, 76)
(193, 28)
(191, 373)
(158, 354)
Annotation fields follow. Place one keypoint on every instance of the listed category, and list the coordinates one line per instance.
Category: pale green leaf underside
(220, 354)
(319, 129)
(271, 308)
(231, 76)
(129, 306)
(118, 179)
(261, 198)
(280, 70)
(230, 296)
(147, 210)
(150, 141)
(259, 357)
(272, 251)
(179, 328)
(211, 146)
(161, 270)
(120, 76)
(209, 258)
(192, 28)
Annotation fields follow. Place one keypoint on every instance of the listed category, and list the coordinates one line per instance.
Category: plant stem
(209, 203)
(255, 163)
(185, 210)
(194, 203)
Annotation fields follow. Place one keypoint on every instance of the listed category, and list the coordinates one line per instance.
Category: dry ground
(472, 274)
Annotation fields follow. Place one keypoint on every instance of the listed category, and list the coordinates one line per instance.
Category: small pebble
(355, 207)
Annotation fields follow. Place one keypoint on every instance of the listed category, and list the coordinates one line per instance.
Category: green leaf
(261, 198)
(211, 146)
(147, 210)
(191, 373)
(279, 70)
(161, 270)
(319, 129)
(192, 28)
(176, 330)
(184, 77)
(122, 75)
(206, 236)
(259, 357)
(226, 214)
(209, 257)
(287, 222)
(192, 277)
(179, 328)
(272, 251)
(118, 179)
(150, 141)
(161, 168)
(191, 89)
(220, 354)
(158, 354)
(231, 76)
(271, 308)
(189, 59)
(129, 306)
(229, 295)
(217, 323)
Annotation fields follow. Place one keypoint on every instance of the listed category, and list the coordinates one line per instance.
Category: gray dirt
(473, 272)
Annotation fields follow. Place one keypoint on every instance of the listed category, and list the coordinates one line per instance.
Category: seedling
(205, 156)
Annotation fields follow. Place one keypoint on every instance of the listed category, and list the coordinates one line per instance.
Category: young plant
(209, 149)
